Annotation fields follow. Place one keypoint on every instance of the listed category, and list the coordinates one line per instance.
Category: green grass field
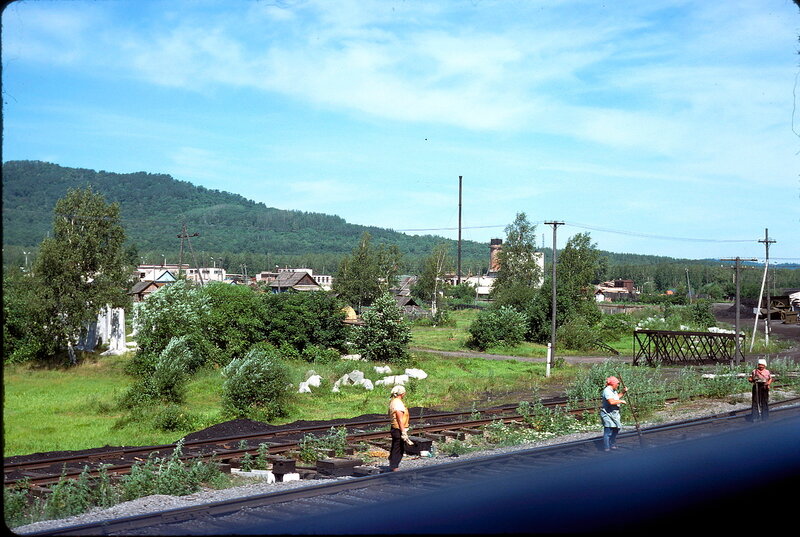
(455, 339)
(75, 408)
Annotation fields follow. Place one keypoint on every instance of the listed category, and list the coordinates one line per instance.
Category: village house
(615, 291)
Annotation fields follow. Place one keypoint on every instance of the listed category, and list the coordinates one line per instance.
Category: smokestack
(495, 245)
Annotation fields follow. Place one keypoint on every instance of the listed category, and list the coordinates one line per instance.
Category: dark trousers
(397, 449)
(760, 401)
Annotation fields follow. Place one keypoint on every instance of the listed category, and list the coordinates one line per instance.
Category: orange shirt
(395, 405)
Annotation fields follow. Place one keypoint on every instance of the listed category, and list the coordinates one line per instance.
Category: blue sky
(660, 127)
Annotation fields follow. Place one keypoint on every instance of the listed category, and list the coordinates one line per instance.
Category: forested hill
(154, 206)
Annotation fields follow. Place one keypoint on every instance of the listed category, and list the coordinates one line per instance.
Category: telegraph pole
(767, 241)
(185, 235)
(458, 274)
(555, 225)
(739, 356)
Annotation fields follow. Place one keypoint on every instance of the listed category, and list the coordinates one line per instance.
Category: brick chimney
(495, 245)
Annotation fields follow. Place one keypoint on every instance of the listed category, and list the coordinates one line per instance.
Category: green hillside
(154, 207)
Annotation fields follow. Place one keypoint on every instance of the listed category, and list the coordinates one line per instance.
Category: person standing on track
(399, 418)
(609, 413)
(761, 378)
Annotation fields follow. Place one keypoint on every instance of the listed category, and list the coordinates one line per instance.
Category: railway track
(360, 505)
(47, 470)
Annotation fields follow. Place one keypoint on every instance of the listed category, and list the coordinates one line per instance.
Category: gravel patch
(149, 504)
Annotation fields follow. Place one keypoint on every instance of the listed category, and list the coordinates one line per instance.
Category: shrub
(614, 327)
(171, 417)
(576, 334)
(320, 355)
(503, 325)
(175, 310)
(236, 318)
(256, 382)
(302, 319)
(385, 335)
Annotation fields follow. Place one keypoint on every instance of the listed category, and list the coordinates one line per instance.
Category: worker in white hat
(761, 379)
(399, 418)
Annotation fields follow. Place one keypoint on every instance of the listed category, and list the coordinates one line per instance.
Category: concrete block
(420, 444)
(265, 475)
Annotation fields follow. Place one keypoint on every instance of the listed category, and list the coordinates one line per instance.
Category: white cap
(398, 390)
(762, 361)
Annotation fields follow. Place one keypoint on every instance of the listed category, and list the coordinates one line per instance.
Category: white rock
(366, 383)
(353, 357)
(314, 380)
(392, 380)
(355, 376)
(382, 369)
(303, 388)
(416, 373)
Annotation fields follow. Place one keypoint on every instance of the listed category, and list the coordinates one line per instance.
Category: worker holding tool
(609, 413)
(761, 378)
(398, 416)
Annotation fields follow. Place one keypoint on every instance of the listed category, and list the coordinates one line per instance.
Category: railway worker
(399, 418)
(609, 412)
(761, 378)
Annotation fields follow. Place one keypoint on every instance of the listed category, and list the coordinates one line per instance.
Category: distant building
(157, 273)
(483, 283)
(615, 291)
(294, 281)
(325, 281)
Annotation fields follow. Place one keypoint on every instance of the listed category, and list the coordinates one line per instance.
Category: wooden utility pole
(185, 235)
(458, 271)
(739, 355)
(555, 225)
(767, 241)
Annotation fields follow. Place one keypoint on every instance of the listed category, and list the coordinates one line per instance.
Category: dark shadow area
(718, 479)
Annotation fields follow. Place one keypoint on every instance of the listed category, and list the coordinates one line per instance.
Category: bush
(385, 335)
(614, 326)
(313, 353)
(577, 335)
(173, 418)
(503, 325)
(175, 310)
(236, 318)
(256, 383)
(302, 319)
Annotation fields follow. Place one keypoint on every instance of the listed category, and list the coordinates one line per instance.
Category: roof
(293, 279)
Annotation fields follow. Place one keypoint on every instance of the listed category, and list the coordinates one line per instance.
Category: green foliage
(20, 343)
(171, 417)
(385, 335)
(236, 318)
(15, 503)
(69, 497)
(256, 383)
(175, 310)
(430, 284)
(578, 265)
(320, 355)
(312, 447)
(614, 326)
(502, 325)
(576, 334)
(77, 272)
(303, 319)
(520, 273)
(367, 273)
